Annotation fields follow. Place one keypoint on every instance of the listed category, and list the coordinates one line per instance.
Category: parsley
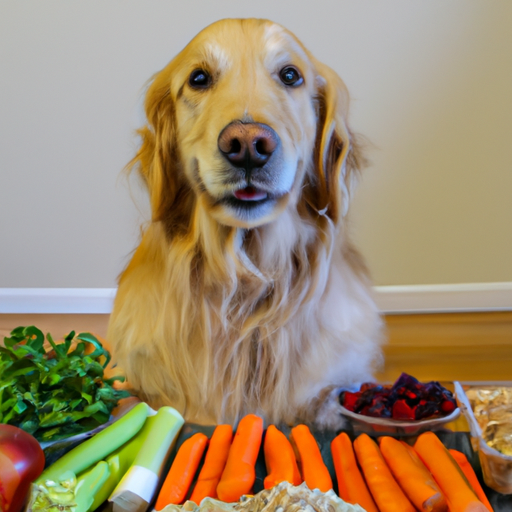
(57, 393)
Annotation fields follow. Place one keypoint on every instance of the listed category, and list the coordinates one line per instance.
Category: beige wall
(432, 88)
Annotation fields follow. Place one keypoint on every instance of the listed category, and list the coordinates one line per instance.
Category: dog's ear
(338, 154)
(157, 158)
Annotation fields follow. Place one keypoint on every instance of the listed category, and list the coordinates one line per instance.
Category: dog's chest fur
(245, 331)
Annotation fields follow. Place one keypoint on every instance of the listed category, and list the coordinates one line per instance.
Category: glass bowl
(380, 426)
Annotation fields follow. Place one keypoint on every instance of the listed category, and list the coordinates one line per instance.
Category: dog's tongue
(250, 194)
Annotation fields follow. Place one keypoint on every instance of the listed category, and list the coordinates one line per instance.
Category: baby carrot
(279, 459)
(351, 485)
(214, 462)
(239, 474)
(314, 471)
(470, 474)
(413, 477)
(386, 492)
(446, 472)
(177, 482)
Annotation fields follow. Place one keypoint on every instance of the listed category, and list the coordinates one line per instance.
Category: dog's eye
(290, 76)
(199, 79)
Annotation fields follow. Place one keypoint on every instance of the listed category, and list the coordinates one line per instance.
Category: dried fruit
(406, 399)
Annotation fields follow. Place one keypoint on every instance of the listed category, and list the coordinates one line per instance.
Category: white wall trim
(57, 300)
(390, 299)
(444, 298)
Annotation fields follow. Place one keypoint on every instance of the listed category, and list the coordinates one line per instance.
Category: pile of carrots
(388, 475)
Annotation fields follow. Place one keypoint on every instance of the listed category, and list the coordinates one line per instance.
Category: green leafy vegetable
(57, 393)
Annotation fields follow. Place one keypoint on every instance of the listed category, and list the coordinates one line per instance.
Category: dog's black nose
(247, 145)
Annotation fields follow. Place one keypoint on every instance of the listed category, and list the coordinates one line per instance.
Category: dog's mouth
(248, 206)
(250, 193)
(248, 198)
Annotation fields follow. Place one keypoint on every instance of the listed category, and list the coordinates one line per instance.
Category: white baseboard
(390, 299)
(444, 298)
(57, 300)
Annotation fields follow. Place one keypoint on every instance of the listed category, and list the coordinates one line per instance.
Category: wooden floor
(57, 325)
(469, 347)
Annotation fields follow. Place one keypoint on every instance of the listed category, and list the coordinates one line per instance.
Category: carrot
(446, 472)
(470, 474)
(180, 476)
(412, 476)
(314, 471)
(386, 492)
(351, 485)
(214, 462)
(279, 459)
(239, 474)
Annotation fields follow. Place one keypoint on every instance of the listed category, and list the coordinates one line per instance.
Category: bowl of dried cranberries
(406, 407)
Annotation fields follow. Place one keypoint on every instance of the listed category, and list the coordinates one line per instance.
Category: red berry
(368, 385)
(448, 406)
(401, 411)
(349, 400)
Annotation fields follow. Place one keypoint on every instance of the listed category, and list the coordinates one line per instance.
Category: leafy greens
(57, 393)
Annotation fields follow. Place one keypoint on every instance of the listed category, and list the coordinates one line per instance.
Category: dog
(245, 294)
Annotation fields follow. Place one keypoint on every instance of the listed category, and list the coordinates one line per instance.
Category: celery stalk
(119, 462)
(138, 486)
(99, 446)
(69, 494)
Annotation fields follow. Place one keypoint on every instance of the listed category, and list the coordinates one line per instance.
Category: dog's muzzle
(253, 178)
(248, 146)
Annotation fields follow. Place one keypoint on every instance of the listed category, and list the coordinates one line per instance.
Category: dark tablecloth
(456, 440)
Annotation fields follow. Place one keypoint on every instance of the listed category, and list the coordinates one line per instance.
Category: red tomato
(21, 462)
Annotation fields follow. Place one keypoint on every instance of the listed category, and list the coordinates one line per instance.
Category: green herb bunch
(57, 393)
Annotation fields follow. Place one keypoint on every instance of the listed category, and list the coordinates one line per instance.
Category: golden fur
(222, 311)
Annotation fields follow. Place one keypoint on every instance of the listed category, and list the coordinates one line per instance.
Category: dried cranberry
(433, 391)
(379, 409)
(405, 381)
(348, 400)
(368, 385)
(402, 411)
(427, 410)
(365, 400)
(365, 410)
(448, 406)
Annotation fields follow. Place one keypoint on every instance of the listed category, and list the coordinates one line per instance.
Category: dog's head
(245, 123)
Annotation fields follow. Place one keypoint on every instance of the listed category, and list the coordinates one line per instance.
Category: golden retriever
(245, 293)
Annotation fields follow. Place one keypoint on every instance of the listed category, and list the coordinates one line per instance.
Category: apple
(21, 462)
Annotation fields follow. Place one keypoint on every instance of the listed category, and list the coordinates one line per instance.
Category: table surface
(454, 435)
